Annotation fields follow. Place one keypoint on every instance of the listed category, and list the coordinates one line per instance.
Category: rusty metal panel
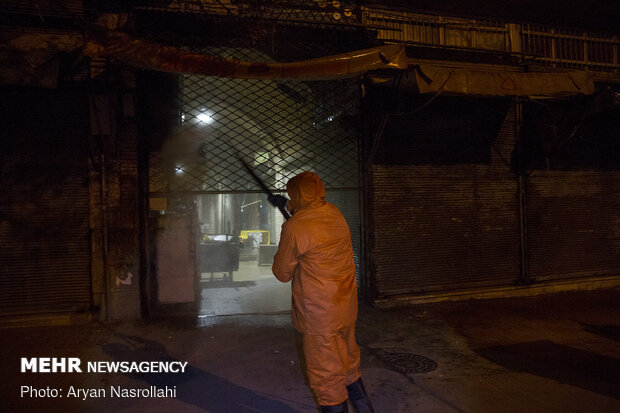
(447, 226)
(573, 224)
(441, 228)
(45, 253)
(176, 259)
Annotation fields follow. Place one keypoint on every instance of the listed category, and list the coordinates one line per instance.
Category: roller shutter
(445, 227)
(45, 254)
(573, 224)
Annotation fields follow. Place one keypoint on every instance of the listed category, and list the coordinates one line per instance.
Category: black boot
(359, 397)
(339, 408)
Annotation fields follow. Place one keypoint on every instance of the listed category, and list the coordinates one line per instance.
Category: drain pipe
(104, 206)
(524, 276)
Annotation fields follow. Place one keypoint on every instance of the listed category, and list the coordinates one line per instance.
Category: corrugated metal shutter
(443, 229)
(348, 203)
(45, 254)
(446, 227)
(573, 224)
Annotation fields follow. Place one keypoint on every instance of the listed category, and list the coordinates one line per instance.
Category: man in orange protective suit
(315, 251)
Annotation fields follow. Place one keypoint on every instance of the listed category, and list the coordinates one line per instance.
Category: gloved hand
(277, 201)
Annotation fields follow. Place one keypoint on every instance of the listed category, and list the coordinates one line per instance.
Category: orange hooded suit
(315, 251)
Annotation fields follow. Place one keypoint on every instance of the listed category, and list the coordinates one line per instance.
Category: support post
(524, 277)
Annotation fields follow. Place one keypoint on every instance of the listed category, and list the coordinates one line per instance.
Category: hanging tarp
(38, 48)
(34, 49)
(433, 79)
(143, 54)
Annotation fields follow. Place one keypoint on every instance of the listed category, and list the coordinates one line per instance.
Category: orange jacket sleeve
(286, 261)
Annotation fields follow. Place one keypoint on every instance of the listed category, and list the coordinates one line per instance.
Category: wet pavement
(552, 353)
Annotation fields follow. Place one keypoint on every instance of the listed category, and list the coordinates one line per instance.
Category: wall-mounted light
(205, 117)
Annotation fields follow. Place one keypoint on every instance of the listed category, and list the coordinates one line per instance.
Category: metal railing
(568, 48)
(547, 45)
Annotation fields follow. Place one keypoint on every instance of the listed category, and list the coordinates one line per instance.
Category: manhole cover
(408, 363)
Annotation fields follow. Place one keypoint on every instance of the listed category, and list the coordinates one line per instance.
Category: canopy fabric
(37, 48)
(433, 79)
(148, 55)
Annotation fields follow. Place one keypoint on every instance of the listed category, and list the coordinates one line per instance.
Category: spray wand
(270, 195)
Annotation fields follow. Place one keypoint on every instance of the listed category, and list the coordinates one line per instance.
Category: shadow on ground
(610, 332)
(566, 365)
(197, 387)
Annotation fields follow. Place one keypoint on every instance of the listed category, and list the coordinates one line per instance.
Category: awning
(148, 55)
(33, 51)
(433, 79)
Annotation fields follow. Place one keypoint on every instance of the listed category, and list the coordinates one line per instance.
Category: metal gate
(573, 224)
(44, 234)
(445, 204)
(280, 128)
(573, 190)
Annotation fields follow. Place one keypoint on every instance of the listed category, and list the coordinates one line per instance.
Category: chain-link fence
(279, 127)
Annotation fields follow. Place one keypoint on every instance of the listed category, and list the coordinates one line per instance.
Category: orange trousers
(332, 363)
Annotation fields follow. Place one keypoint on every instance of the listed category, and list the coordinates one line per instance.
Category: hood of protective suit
(306, 190)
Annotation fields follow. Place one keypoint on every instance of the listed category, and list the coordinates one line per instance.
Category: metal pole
(104, 211)
(522, 188)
